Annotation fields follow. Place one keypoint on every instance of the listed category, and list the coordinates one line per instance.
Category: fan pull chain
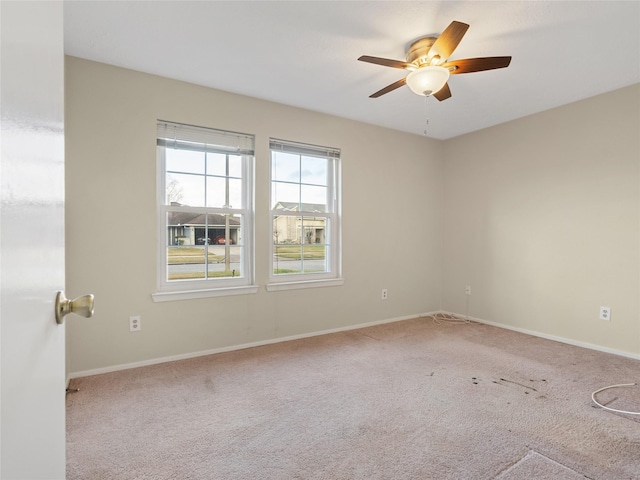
(426, 116)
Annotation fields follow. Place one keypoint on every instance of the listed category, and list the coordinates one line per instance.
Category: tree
(174, 191)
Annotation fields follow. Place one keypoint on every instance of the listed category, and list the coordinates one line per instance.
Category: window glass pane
(179, 234)
(226, 243)
(185, 229)
(185, 258)
(235, 166)
(285, 196)
(235, 193)
(314, 170)
(313, 199)
(185, 263)
(238, 239)
(184, 161)
(224, 229)
(174, 194)
(185, 189)
(287, 229)
(292, 259)
(227, 261)
(287, 259)
(216, 164)
(314, 230)
(216, 192)
(216, 187)
(315, 258)
(285, 167)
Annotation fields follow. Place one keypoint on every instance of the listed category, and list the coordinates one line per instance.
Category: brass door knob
(82, 306)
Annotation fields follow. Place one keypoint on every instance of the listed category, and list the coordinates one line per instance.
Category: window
(205, 205)
(305, 215)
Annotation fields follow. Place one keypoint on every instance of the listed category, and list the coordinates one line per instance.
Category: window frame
(333, 275)
(208, 287)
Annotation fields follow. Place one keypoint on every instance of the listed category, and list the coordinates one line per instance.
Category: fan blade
(389, 88)
(448, 40)
(443, 93)
(387, 62)
(469, 65)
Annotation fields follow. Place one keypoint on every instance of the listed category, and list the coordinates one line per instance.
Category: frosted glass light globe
(427, 80)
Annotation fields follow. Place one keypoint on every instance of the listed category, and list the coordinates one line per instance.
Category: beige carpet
(409, 400)
(534, 465)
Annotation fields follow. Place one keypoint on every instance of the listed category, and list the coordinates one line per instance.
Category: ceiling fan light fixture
(427, 80)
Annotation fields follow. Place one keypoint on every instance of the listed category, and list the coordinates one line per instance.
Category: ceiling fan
(427, 60)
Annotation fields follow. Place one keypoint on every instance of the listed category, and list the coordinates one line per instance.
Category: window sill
(204, 293)
(276, 287)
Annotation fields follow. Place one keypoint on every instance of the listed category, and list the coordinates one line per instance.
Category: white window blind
(191, 137)
(303, 149)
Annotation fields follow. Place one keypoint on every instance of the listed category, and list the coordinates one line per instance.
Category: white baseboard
(185, 356)
(549, 337)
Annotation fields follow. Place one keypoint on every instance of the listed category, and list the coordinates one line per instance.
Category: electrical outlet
(467, 290)
(135, 324)
(384, 294)
(605, 313)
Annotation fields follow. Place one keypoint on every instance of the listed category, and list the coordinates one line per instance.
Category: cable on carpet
(593, 397)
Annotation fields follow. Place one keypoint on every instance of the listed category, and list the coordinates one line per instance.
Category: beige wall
(389, 179)
(541, 218)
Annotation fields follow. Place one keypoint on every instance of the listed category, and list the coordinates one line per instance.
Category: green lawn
(196, 275)
(181, 255)
(311, 252)
(281, 271)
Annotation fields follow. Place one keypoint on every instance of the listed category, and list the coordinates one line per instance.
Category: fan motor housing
(418, 51)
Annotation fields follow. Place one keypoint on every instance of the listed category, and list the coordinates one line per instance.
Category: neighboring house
(185, 228)
(295, 229)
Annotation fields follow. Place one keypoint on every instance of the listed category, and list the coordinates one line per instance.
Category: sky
(199, 179)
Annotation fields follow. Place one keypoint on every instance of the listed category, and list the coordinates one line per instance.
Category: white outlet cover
(605, 313)
(135, 324)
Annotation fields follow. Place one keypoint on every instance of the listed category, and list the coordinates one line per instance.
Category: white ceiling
(303, 53)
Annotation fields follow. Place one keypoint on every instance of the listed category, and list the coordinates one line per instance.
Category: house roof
(305, 207)
(189, 219)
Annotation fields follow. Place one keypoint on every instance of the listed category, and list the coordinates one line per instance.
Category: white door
(32, 408)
